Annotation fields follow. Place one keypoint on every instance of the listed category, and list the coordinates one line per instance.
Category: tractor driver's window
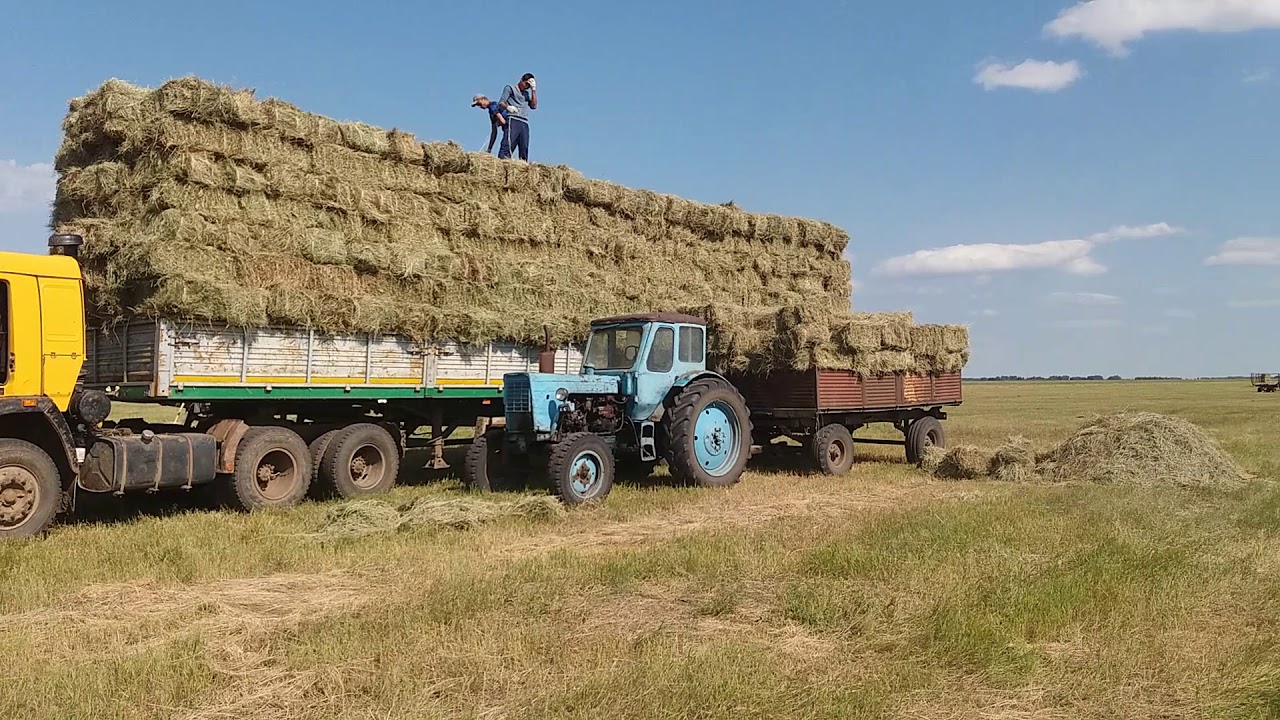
(663, 354)
(691, 344)
(4, 333)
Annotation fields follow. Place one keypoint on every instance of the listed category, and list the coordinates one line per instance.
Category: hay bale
(1142, 449)
(963, 462)
(1013, 461)
(932, 459)
(199, 200)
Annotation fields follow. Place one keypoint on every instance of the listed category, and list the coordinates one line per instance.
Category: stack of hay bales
(202, 202)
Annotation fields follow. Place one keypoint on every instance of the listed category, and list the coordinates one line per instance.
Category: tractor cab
(644, 393)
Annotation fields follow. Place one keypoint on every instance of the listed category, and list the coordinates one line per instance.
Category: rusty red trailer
(822, 409)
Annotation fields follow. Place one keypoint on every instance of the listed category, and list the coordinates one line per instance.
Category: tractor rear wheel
(922, 434)
(832, 448)
(708, 434)
(30, 490)
(581, 469)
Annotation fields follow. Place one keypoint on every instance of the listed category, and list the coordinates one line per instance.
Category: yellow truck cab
(42, 348)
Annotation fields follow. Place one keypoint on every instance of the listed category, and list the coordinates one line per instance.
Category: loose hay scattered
(1144, 449)
(932, 459)
(203, 202)
(372, 517)
(963, 462)
(1014, 461)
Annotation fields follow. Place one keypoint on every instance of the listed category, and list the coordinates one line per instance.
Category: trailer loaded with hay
(840, 386)
(314, 292)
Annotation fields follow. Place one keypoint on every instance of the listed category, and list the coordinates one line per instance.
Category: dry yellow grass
(883, 594)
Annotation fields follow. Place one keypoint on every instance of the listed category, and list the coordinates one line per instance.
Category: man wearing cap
(497, 117)
(519, 101)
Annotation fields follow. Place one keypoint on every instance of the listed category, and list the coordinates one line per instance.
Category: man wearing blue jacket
(518, 101)
(498, 117)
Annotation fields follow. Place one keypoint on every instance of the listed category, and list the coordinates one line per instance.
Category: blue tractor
(644, 395)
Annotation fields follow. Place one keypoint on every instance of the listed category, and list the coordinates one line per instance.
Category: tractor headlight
(562, 394)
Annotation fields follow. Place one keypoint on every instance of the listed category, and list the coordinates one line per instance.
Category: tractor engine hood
(531, 403)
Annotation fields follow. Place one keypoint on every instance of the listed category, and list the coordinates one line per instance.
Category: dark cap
(526, 77)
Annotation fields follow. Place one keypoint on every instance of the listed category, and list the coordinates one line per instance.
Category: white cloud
(1090, 324)
(1038, 75)
(1247, 251)
(1083, 298)
(987, 313)
(25, 187)
(1253, 304)
(1071, 256)
(1113, 24)
(1257, 76)
(1179, 314)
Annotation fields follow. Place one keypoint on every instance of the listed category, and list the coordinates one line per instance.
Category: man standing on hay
(518, 101)
(498, 116)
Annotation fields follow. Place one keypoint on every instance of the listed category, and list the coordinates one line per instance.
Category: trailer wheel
(362, 460)
(921, 434)
(321, 483)
(832, 448)
(581, 469)
(486, 467)
(30, 490)
(273, 469)
(708, 434)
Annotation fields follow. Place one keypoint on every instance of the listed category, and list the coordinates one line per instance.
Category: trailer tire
(273, 469)
(321, 484)
(361, 460)
(832, 448)
(705, 407)
(30, 490)
(485, 467)
(922, 434)
(581, 469)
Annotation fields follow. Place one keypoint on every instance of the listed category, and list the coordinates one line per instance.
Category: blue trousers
(515, 139)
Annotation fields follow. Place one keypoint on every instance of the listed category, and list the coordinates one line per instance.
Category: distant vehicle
(1265, 382)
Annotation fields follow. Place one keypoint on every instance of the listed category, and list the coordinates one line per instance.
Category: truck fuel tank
(148, 462)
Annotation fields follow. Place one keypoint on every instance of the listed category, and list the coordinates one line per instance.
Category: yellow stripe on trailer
(264, 380)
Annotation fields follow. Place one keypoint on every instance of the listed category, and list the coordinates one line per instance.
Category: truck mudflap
(149, 462)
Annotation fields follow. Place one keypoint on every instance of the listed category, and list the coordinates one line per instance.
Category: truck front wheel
(487, 467)
(708, 434)
(273, 469)
(30, 490)
(581, 469)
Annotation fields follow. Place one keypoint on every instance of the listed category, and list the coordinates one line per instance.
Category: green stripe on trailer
(224, 392)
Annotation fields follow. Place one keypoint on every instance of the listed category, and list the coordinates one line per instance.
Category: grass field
(884, 594)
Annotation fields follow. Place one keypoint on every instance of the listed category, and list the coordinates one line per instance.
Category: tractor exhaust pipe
(546, 358)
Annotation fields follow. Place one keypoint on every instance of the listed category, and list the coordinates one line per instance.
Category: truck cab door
(19, 336)
(62, 338)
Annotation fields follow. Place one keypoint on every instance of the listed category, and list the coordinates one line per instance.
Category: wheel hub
(715, 438)
(585, 474)
(19, 496)
(835, 453)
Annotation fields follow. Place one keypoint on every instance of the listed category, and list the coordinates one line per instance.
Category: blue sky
(1094, 187)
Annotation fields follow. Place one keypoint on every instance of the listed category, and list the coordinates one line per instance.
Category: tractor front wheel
(708, 434)
(581, 469)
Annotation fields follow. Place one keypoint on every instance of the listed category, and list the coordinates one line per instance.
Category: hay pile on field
(963, 462)
(371, 517)
(1143, 449)
(1014, 461)
(201, 201)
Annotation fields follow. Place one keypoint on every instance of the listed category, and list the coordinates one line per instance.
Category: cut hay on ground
(1144, 449)
(372, 517)
(963, 462)
(202, 202)
(1014, 461)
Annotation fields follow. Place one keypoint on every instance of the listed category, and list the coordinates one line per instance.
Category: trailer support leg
(438, 436)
